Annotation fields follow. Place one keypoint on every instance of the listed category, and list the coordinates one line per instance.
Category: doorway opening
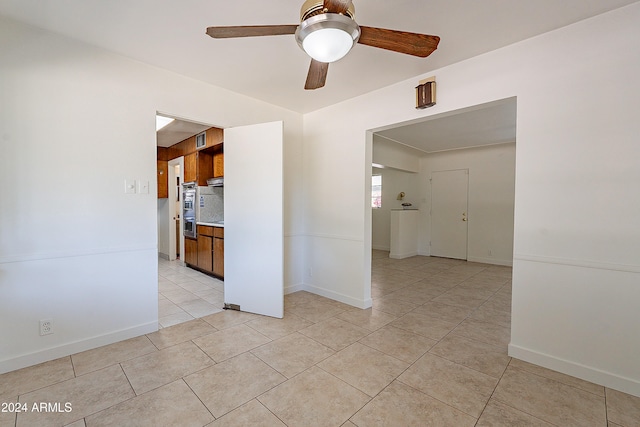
(170, 132)
(457, 169)
(223, 232)
(183, 293)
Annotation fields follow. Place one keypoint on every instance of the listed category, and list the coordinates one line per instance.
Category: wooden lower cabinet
(218, 257)
(206, 252)
(191, 251)
(205, 246)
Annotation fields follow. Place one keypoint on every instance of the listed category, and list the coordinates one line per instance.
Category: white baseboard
(381, 248)
(293, 288)
(364, 304)
(68, 349)
(163, 256)
(404, 255)
(506, 263)
(587, 373)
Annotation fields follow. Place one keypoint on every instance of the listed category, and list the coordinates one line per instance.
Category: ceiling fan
(328, 31)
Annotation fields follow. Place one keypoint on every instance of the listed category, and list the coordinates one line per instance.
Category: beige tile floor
(431, 351)
(185, 294)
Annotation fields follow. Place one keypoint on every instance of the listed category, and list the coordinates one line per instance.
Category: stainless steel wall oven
(189, 209)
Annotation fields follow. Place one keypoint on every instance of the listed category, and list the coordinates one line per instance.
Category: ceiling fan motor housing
(316, 7)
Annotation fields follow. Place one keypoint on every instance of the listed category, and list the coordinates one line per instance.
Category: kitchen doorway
(253, 258)
(184, 293)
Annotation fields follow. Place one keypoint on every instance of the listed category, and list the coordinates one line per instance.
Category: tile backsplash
(210, 204)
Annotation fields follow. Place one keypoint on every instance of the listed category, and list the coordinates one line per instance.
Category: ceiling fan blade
(415, 44)
(337, 6)
(317, 75)
(250, 31)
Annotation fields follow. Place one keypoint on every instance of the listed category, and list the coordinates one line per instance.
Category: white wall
(392, 154)
(163, 228)
(490, 202)
(576, 204)
(75, 122)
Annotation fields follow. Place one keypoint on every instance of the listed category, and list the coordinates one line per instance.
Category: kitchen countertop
(211, 224)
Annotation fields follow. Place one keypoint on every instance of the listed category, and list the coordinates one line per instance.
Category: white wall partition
(576, 204)
(76, 122)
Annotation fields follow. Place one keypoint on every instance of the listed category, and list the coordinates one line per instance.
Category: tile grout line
(494, 390)
(512, 407)
(198, 397)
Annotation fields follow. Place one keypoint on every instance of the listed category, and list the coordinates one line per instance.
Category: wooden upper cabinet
(162, 170)
(201, 164)
(205, 167)
(198, 167)
(189, 145)
(218, 161)
(190, 167)
(213, 137)
(163, 179)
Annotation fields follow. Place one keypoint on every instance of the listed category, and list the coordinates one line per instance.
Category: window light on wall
(376, 191)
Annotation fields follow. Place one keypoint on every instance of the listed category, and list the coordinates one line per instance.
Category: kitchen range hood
(215, 182)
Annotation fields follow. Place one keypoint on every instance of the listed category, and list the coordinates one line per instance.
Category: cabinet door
(163, 179)
(191, 251)
(214, 137)
(205, 246)
(218, 257)
(218, 162)
(190, 167)
(204, 168)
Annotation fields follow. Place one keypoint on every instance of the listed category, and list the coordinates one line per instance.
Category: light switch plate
(143, 187)
(130, 186)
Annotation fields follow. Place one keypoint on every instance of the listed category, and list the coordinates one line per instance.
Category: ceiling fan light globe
(327, 44)
(327, 37)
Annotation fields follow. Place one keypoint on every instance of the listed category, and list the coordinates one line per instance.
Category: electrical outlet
(46, 327)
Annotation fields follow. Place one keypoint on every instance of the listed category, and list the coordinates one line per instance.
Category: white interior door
(253, 218)
(449, 216)
(176, 243)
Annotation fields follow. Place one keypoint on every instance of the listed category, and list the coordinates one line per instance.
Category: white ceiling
(489, 124)
(177, 131)
(171, 35)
